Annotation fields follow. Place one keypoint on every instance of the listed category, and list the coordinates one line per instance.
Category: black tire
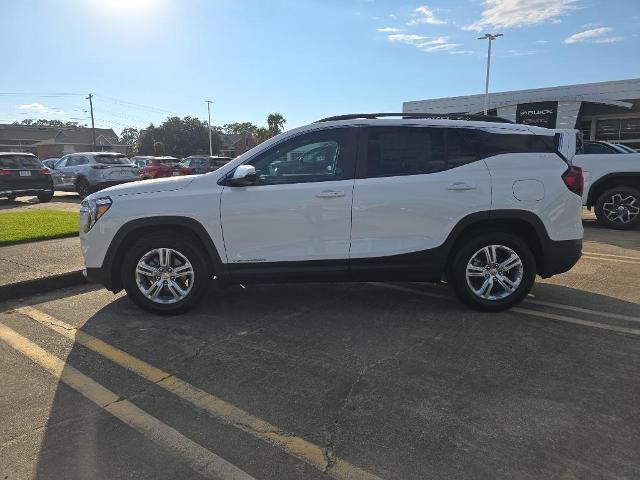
(45, 197)
(185, 246)
(626, 222)
(466, 249)
(83, 188)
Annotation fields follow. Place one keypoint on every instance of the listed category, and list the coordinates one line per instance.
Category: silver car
(89, 172)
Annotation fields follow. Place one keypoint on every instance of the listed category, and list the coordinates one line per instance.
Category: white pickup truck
(611, 182)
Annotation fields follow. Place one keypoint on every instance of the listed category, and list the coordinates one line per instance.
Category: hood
(148, 186)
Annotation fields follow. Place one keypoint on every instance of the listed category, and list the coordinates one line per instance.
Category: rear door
(412, 187)
(300, 209)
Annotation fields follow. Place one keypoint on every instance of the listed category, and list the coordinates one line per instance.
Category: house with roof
(48, 142)
(234, 144)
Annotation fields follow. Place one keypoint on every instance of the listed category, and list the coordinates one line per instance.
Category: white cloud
(520, 13)
(541, 42)
(405, 38)
(592, 35)
(388, 30)
(425, 44)
(34, 107)
(423, 15)
(445, 47)
(462, 52)
(608, 40)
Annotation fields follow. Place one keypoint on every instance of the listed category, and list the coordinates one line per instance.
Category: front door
(300, 207)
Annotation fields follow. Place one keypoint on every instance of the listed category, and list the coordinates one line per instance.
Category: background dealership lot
(358, 380)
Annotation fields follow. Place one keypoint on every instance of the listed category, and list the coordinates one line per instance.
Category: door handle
(330, 194)
(461, 186)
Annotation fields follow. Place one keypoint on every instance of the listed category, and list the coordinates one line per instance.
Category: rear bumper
(560, 256)
(23, 192)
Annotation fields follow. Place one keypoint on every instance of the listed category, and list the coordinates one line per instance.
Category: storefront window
(617, 130)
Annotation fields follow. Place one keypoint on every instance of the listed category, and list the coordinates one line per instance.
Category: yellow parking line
(194, 455)
(225, 412)
(527, 311)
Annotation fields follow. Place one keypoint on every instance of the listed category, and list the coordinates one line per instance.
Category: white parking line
(536, 313)
(615, 260)
(198, 458)
(626, 257)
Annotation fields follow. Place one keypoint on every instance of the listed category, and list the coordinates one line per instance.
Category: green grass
(19, 227)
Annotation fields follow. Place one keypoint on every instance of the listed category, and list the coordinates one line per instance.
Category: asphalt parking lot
(349, 381)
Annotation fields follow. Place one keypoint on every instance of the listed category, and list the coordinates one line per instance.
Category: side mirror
(244, 175)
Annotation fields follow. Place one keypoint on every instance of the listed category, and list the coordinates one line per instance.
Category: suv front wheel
(164, 274)
(492, 271)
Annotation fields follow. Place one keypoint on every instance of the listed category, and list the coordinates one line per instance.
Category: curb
(41, 285)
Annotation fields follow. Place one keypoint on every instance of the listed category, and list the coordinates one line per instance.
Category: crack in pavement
(331, 442)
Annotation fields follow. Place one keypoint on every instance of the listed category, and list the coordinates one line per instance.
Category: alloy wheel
(494, 272)
(621, 208)
(164, 276)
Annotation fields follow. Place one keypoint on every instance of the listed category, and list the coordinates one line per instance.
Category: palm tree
(275, 123)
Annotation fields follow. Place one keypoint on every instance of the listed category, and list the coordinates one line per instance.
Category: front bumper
(560, 256)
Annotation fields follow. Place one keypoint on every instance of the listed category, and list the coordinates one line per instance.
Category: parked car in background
(50, 162)
(591, 147)
(158, 167)
(22, 174)
(611, 184)
(204, 163)
(89, 172)
(489, 204)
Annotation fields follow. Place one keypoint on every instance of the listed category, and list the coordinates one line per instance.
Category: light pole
(209, 102)
(491, 37)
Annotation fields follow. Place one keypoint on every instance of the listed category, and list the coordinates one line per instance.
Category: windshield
(19, 161)
(113, 159)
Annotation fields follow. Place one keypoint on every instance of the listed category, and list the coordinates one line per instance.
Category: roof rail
(427, 116)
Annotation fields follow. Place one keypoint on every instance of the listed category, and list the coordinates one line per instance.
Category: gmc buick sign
(540, 114)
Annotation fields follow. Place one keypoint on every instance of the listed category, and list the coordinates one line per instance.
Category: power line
(136, 105)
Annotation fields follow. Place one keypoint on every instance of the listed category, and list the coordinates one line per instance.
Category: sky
(147, 59)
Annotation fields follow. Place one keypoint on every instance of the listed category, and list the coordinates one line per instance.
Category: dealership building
(602, 111)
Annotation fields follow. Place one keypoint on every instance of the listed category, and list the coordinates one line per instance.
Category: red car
(158, 167)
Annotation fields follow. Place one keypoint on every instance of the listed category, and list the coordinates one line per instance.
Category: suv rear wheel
(492, 271)
(45, 197)
(619, 208)
(163, 273)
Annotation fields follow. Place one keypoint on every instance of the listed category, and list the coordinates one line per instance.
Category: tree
(275, 123)
(42, 122)
(129, 136)
(178, 136)
(239, 127)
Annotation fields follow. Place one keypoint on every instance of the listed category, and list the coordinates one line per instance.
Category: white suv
(486, 205)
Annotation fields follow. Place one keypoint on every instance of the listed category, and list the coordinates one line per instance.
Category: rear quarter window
(112, 159)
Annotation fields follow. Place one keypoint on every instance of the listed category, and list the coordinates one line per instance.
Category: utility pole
(209, 102)
(491, 37)
(93, 125)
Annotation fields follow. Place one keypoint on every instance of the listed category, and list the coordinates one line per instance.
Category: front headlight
(92, 210)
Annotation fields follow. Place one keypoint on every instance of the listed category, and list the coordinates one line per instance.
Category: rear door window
(19, 162)
(396, 151)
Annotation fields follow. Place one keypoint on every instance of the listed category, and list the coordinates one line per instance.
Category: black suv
(22, 174)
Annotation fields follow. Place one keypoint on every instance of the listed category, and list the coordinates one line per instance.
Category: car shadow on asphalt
(397, 382)
(594, 232)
